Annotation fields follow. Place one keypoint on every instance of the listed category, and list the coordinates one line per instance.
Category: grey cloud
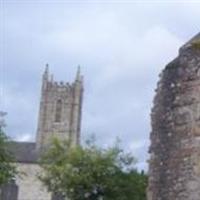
(122, 47)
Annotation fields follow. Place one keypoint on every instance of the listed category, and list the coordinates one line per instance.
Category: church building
(59, 116)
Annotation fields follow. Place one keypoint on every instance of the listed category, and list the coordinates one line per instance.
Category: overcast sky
(121, 46)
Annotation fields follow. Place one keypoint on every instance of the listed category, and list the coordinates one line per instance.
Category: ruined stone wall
(174, 172)
(60, 110)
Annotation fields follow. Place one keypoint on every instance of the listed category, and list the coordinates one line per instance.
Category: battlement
(49, 82)
(57, 85)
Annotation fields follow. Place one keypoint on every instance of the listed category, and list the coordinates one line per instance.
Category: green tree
(7, 168)
(92, 173)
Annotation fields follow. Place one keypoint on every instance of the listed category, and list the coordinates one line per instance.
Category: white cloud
(27, 137)
(122, 47)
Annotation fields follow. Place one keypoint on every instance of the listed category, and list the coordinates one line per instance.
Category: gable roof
(24, 152)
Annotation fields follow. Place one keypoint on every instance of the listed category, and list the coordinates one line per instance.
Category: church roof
(24, 152)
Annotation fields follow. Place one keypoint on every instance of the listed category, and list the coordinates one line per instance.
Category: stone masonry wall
(175, 139)
(30, 188)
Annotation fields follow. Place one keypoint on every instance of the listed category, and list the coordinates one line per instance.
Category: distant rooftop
(24, 152)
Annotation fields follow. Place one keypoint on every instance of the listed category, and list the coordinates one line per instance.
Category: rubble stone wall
(174, 172)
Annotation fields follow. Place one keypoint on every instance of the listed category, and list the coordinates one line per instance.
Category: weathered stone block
(175, 145)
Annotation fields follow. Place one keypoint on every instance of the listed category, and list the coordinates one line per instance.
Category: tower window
(58, 111)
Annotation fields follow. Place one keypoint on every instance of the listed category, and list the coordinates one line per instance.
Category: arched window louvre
(58, 111)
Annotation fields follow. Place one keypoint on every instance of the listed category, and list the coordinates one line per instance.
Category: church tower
(60, 110)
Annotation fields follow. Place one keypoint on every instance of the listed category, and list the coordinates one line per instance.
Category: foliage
(92, 173)
(2, 121)
(131, 186)
(7, 168)
(196, 44)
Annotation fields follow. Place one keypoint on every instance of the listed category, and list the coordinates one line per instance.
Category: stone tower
(174, 172)
(60, 110)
